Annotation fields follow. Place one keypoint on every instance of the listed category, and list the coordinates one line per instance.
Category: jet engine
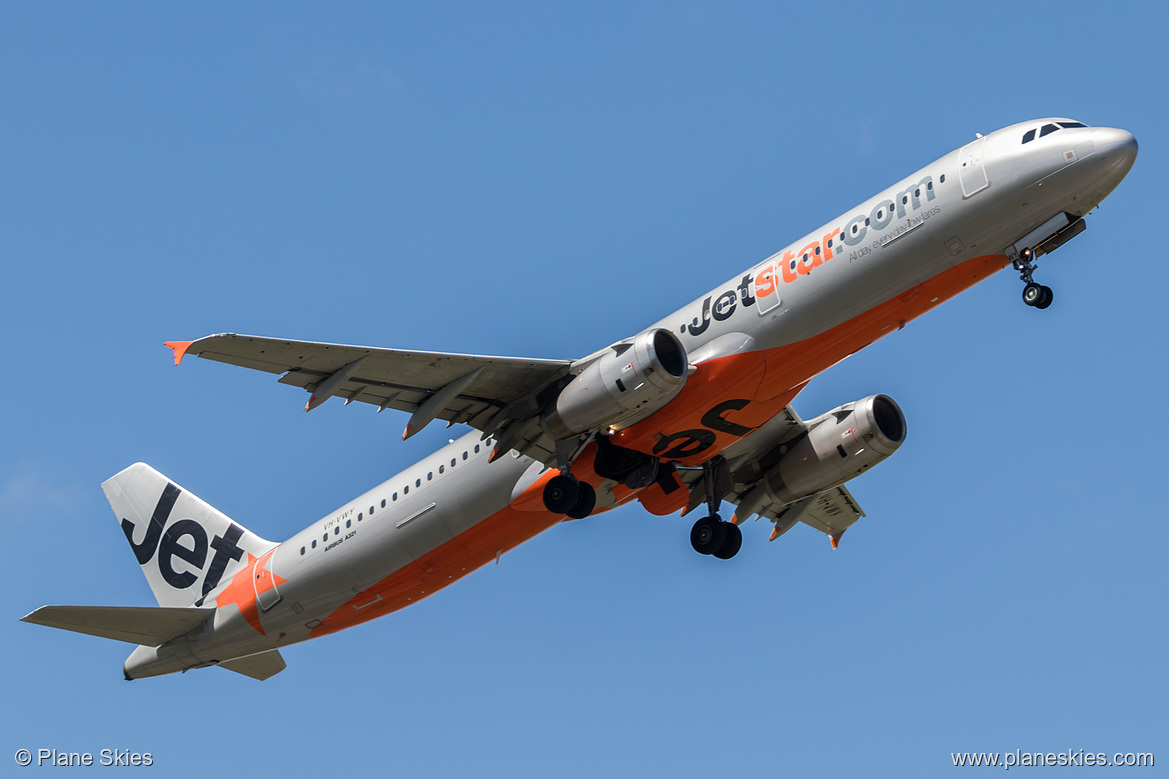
(840, 445)
(628, 382)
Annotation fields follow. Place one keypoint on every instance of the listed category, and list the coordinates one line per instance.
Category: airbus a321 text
(692, 411)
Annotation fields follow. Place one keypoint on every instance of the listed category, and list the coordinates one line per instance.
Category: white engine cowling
(627, 383)
(840, 445)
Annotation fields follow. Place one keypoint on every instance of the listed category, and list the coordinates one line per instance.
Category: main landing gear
(566, 495)
(1035, 295)
(710, 535)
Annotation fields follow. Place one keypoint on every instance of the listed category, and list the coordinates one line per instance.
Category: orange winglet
(180, 348)
(836, 539)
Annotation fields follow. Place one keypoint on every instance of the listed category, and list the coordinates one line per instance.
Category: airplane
(692, 411)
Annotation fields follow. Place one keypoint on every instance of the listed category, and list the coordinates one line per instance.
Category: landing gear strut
(1035, 295)
(710, 535)
(565, 495)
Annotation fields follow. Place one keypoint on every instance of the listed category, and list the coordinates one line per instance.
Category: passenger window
(302, 550)
(349, 522)
(464, 454)
(1029, 136)
(314, 543)
(406, 490)
(452, 462)
(476, 448)
(394, 496)
(442, 469)
(383, 504)
(418, 482)
(1048, 129)
(337, 530)
(430, 475)
(325, 537)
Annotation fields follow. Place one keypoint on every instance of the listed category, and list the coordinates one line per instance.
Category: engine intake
(627, 383)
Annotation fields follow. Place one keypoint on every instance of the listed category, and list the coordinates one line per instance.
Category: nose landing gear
(1035, 295)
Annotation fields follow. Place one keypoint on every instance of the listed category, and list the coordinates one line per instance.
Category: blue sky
(539, 182)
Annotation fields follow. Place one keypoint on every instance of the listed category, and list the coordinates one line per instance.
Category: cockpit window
(1050, 128)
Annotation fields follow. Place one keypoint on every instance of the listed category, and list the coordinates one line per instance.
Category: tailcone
(147, 661)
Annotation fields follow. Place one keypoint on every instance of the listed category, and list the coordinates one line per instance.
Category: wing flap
(830, 511)
(144, 625)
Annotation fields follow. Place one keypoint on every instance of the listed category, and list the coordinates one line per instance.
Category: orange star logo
(255, 578)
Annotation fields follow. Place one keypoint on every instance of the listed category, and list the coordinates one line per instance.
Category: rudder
(186, 547)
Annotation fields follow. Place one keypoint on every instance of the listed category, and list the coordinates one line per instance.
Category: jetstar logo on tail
(170, 545)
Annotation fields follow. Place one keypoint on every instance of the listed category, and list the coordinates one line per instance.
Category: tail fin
(186, 548)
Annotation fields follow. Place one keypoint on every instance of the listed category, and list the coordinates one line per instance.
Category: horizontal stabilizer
(259, 666)
(144, 625)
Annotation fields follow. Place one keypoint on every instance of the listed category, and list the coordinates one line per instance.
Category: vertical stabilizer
(186, 548)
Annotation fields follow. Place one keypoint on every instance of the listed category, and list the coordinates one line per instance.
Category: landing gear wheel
(1033, 294)
(732, 544)
(708, 535)
(1047, 297)
(561, 494)
(586, 501)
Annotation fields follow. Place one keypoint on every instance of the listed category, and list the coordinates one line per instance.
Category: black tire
(1046, 298)
(708, 534)
(560, 494)
(1033, 295)
(586, 501)
(732, 543)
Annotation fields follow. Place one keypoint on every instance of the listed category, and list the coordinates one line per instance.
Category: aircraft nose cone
(1117, 147)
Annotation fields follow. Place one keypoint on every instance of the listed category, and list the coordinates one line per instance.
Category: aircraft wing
(484, 392)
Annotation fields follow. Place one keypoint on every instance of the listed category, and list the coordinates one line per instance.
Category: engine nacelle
(840, 445)
(627, 383)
